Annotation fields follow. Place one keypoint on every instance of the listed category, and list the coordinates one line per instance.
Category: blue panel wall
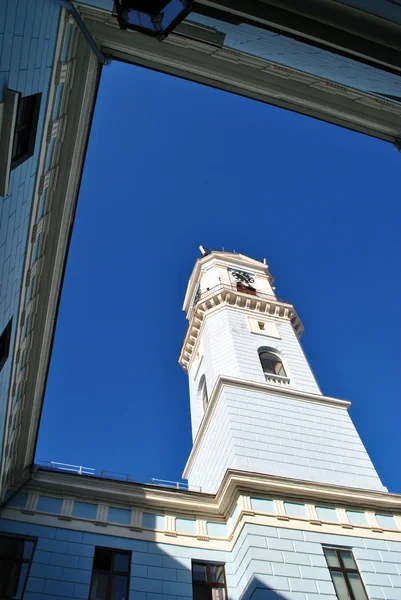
(62, 564)
(84, 510)
(119, 515)
(327, 513)
(152, 521)
(185, 525)
(286, 564)
(357, 517)
(50, 505)
(271, 562)
(263, 505)
(27, 43)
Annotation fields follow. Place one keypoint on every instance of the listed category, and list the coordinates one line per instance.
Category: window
(246, 288)
(203, 392)
(208, 581)
(5, 343)
(110, 575)
(345, 575)
(271, 364)
(25, 129)
(15, 561)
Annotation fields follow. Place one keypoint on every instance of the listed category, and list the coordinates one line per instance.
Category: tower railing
(233, 288)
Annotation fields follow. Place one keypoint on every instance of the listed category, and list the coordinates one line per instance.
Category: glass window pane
(102, 560)
(348, 559)
(200, 592)
(23, 574)
(217, 573)
(120, 587)
(10, 546)
(356, 586)
(99, 586)
(331, 557)
(340, 585)
(280, 369)
(218, 593)
(121, 562)
(28, 548)
(9, 577)
(199, 572)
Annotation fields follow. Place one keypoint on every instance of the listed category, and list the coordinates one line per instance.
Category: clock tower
(255, 403)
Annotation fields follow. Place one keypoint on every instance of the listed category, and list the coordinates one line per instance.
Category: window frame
(21, 561)
(274, 358)
(344, 570)
(209, 584)
(33, 128)
(113, 572)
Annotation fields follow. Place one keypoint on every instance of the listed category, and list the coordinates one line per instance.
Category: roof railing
(51, 465)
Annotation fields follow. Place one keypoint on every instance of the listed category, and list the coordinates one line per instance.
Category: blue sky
(171, 165)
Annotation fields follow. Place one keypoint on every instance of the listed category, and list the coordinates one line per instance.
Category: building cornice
(227, 296)
(219, 505)
(232, 505)
(251, 76)
(244, 384)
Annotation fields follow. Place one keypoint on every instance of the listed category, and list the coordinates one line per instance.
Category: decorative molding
(312, 514)
(66, 509)
(280, 510)
(136, 520)
(344, 521)
(224, 296)
(169, 525)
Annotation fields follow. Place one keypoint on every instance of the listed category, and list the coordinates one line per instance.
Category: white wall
(228, 347)
(266, 433)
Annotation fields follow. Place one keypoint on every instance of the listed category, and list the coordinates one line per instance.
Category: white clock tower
(255, 403)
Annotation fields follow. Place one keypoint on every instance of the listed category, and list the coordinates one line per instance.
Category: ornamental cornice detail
(236, 493)
(227, 296)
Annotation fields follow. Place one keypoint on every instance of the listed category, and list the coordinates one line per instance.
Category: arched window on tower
(271, 363)
(202, 390)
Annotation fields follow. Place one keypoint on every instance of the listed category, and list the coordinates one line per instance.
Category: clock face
(243, 277)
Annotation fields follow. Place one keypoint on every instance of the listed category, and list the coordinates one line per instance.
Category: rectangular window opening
(25, 129)
(345, 574)
(110, 574)
(15, 562)
(5, 339)
(208, 581)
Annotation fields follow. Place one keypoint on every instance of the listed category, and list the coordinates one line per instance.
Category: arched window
(202, 390)
(271, 363)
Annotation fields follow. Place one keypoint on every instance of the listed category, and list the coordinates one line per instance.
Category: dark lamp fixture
(156, 18)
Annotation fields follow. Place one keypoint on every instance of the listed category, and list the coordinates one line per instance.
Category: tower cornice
(227, 295)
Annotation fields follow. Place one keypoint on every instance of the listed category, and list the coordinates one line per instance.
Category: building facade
(283, 501)
(51, 57)
(31, 45)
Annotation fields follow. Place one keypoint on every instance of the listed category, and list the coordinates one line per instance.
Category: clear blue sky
(171, 165)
